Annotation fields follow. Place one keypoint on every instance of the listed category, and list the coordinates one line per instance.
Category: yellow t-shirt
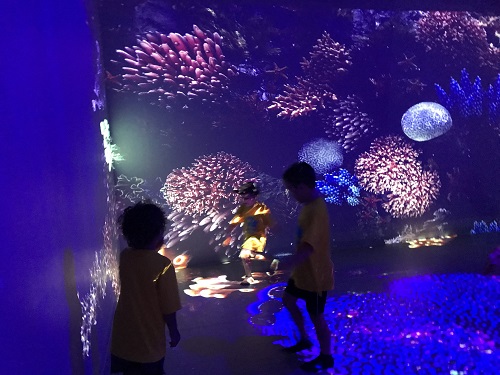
(316, 273)
(148, 291)
(256, 219)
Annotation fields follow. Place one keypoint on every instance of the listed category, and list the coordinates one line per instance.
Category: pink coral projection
(302, 98)
(207, 186)
(329, 60)
(172, 68)
(457, 39)
(346, 123)
(391, 167)
(202, 197)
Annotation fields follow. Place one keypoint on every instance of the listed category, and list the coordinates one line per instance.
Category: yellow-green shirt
(316, 273)
(148, 291)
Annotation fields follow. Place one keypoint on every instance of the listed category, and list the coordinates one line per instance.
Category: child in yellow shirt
(256, 219)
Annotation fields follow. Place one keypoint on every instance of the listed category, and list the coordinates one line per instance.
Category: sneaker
(273, 267)
(303, 344)
(320, 363)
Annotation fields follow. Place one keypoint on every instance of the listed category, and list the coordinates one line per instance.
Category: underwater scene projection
(397, 111)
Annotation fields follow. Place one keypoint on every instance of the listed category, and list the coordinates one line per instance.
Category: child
(256, 219)
(312, 267)
(149, 297)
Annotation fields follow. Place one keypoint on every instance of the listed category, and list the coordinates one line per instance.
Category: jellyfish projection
(391, 167)
(425, 121)
(339, 187)
(201, 196)
(323, 155)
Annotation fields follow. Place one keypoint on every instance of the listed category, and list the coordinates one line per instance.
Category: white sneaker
(273, 267)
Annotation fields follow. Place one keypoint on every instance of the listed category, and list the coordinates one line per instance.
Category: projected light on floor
(426, 242)
(446, 324)
(216, 287)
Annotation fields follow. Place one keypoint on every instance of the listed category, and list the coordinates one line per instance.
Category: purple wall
(53, 189)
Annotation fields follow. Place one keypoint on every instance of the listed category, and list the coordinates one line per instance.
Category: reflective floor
(395, 310)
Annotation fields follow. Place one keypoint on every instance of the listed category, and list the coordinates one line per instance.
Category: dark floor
(395, 310)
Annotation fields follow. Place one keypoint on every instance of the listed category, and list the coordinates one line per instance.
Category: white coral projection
(391, 167)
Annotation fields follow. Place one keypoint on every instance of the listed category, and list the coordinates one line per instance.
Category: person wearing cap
(256, 219)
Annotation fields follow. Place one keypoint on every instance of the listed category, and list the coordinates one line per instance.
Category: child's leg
(246, 256)
(290, 303)
(323, 332)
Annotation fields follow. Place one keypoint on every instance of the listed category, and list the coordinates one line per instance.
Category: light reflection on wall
(433, 324)
(105, 265)
(104, 269)
(111, 153)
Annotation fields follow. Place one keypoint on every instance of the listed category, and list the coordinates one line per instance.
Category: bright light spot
(110, 150)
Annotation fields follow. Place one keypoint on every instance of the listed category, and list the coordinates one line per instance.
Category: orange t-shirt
(148, 291)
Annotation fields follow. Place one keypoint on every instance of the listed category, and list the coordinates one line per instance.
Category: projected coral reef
(340, 187)
(329, 60)
(264, 83)
(323, 155)
(391, 167)
(455, 39)
(173, 67)
(207, 185)
(346, 123)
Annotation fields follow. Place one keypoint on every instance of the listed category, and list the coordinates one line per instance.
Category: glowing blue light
(339, 187)
(433, 324)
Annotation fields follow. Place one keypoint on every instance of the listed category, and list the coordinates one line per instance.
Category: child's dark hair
(141, 223)
(248, 188)
(300, 173)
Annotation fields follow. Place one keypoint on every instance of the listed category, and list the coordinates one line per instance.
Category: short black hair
(300, 173)
(141, 223)
(248, 188)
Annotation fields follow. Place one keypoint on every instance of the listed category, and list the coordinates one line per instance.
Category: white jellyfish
(425, 121)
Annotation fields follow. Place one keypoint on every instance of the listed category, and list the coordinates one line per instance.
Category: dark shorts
(122, 365)
(315, 302)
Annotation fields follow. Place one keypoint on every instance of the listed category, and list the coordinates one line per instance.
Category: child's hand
(175, 337)
(227, 241)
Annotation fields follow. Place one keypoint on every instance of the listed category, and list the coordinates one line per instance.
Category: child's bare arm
(171, 322)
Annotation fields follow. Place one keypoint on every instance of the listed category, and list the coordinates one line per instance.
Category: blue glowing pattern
(323, 155)
(494, 102)
(340, 186)
(483, 227)
(425, 121)
(433, 324)
(465, 99)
